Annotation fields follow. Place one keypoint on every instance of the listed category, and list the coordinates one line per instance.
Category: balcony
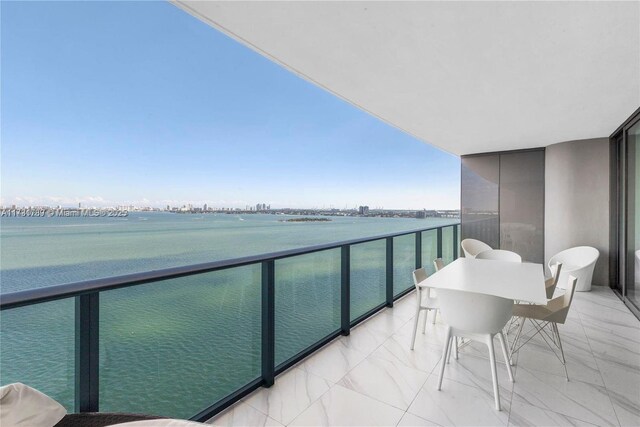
(539, 101)
(372, 378)
(251, 318)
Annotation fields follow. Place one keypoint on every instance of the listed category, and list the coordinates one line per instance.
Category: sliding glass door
(633, 215)
(625, 225)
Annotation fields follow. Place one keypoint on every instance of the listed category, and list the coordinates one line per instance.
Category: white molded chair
(478, 317)
(578, 262)
(472, 247)
(550, 287)
(551, 283)
(499, 255)
(425, 302)
(438, 263)
(543, 316)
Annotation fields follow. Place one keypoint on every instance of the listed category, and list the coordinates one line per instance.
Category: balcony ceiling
(464, 76)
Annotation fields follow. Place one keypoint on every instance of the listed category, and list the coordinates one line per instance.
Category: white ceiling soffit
(467, 77)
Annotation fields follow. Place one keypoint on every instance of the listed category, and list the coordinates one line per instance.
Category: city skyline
(206, 206)
(203, 119)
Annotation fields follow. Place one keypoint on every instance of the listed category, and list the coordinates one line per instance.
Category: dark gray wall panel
(522, 204)
(502, 201)
(480, 198)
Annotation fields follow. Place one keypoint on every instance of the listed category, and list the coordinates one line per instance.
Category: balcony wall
(577, 200)
(502, 201)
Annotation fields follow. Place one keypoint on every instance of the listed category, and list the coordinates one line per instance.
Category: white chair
(551, 283)
(472, 247)
(478, 317)
(578, 262)
(438, 263)
(543, 316)
(499, 255)
(425, 302)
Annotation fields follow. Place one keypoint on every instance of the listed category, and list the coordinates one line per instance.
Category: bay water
(174, 347)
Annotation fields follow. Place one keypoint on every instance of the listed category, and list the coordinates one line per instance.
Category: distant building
(421, 214)
(363, 210)
(205, 207)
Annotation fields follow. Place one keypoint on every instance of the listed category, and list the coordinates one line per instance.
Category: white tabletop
(513, 280)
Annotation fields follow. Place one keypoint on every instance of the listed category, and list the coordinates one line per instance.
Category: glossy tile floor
(371, 378)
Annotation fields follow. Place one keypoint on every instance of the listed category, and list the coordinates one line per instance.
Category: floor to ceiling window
(633, 214)
(626, 224)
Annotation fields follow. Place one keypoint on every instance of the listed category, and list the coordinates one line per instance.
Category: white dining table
(514, 280)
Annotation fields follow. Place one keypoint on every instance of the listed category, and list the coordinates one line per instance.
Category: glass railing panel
(37, 348)
(175, 347)
(429, 250)
(404, 262)
(307, 301)
(447, 244)
(368, 277)
(458, 248)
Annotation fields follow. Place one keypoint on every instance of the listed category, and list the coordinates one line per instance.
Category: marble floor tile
(363, 339)
(577, 399)
(612, 347)
(594, 304)
(405, 308)
(293, 392)
(581, 365)
(627, 408)
(620, 377)
(371, 377)
(385, 322)
(386, 381)
(422, 357)
(458, 404)
(609, 320)
(622, 381)
(242, 414)
(476, 372)
(480, 349)
(433, 335)
(343, 407)
(410, 420)
(333, 361)
(523, 414)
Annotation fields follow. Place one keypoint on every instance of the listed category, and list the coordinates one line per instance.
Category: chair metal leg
(435, 314)
(455, 348)
(507, 360)
(451, 340)
(445, 351)
(424, 324)
(494, 372)
(417, 319)
(515, 341)
(564, 361)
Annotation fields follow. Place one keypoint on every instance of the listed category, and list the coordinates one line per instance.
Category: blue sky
(138, 102)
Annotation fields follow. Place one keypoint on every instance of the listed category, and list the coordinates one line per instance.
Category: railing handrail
(68, 290)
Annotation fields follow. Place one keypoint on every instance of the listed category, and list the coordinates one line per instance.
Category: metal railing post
(345, 297)
(87, 322)
(389, 271)
(455, 242)
(268, 322)
(418, 249)
(439, 242)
